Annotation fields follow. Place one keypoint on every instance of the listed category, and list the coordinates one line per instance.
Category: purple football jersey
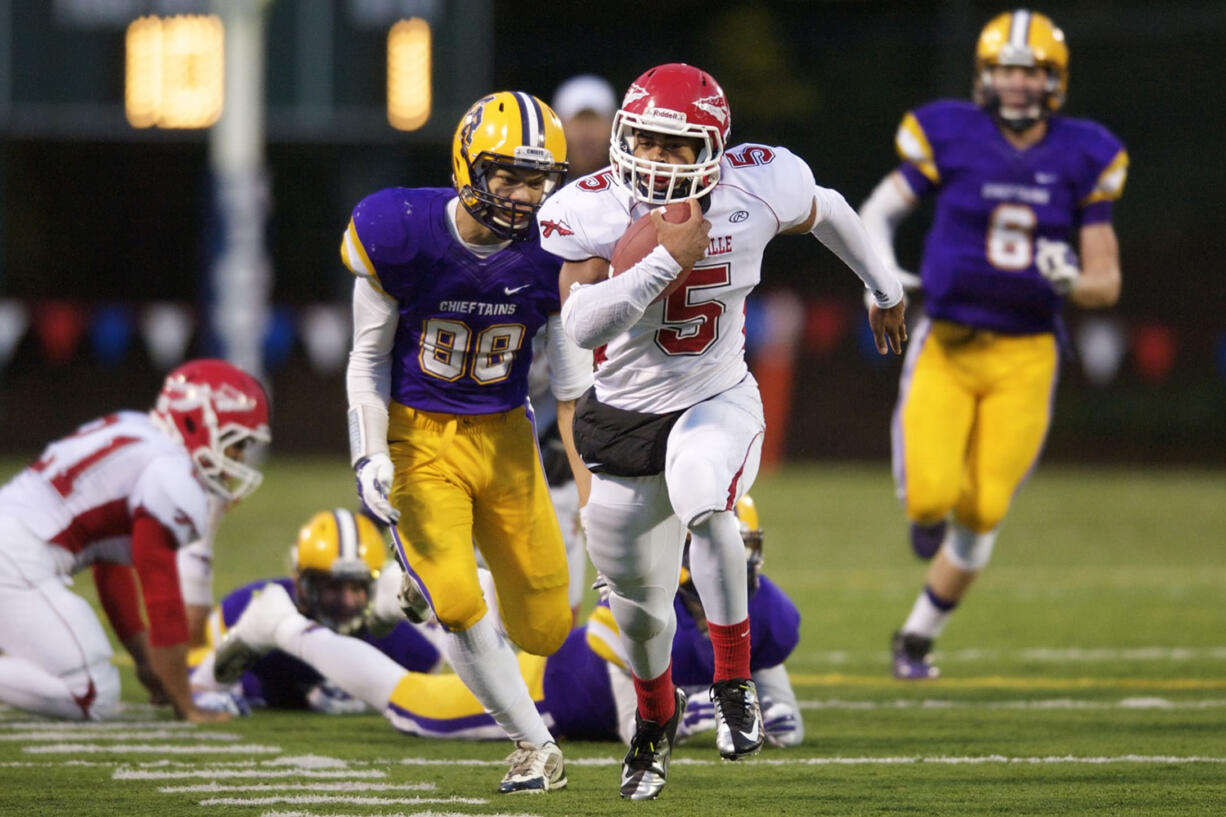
(464, 340)
(993, 201)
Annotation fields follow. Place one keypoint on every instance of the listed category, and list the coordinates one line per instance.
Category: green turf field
(1085, 674)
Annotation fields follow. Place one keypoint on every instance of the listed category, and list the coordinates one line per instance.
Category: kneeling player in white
(121, 495)
(672, 429)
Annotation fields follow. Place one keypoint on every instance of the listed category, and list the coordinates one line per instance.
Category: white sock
(364, 671)
(927, 619)
(717, 563)
(485, 662)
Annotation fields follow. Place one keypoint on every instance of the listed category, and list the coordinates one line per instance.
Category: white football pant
(56, 658)
(636, 526)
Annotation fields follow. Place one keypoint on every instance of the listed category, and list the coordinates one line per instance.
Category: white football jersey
(690, 346)
(82, 492)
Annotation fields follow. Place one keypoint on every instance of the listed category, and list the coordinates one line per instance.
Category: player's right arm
(890, 202)
(597, 308)
(368, 376)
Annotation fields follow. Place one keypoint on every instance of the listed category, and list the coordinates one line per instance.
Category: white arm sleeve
(840, 229)
(885, 208)
(195, 563)
(594, 314)
(570, 366)
(368, 380)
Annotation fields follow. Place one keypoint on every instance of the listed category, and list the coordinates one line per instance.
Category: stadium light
(408, 74)
(174, 71)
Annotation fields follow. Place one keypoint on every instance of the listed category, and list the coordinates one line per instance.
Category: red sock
(657, 698)
(730, 642)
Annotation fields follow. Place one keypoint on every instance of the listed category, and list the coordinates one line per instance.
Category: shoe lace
(732, 699)
(646, 745)
(522, 760)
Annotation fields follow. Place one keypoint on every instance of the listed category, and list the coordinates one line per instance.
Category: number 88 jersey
(993, 202)
(691, 345)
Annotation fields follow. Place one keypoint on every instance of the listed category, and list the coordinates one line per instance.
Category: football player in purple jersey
(342, 581)
(1022, 223)
(451, 287)
(585, 688)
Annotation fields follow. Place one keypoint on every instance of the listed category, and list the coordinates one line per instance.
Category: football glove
(222, 700)
(413, 601)
(330, 699)
(374, 476)
(780, 722)
(1057, 262)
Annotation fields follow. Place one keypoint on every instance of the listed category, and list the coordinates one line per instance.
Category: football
(640, 239)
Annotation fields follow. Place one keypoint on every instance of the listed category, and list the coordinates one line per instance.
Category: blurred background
(175, 177)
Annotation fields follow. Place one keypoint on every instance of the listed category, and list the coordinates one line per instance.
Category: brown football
(640, 239)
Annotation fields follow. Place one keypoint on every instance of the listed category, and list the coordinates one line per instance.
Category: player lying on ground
(584, 688)
(339, 576)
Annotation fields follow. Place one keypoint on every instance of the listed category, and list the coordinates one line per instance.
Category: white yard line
(352, 801)
(217, 788)
(1041, 704)
(874, 761)
(150, 734)
(397, 814)
(242, 774)
(105, 726)
(151, 748)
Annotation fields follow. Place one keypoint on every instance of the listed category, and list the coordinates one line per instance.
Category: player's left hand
(889, 327)
(1057, 262)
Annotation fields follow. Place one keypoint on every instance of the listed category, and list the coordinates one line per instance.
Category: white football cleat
(534, 769)
(254, 633)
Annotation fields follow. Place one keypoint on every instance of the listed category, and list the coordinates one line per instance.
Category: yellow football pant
(476, 479)
(974, 416)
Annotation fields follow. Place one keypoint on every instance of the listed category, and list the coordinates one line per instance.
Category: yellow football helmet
(512, 130)
(1028, 39)
(336, 560)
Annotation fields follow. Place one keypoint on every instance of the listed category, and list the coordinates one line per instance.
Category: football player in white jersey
(120, 495)
(673, 427)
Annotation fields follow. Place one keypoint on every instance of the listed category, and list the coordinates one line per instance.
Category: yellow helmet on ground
(512, 130)
(1028, 39)
(336, 560)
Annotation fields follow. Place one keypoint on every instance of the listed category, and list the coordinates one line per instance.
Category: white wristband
(367, 431)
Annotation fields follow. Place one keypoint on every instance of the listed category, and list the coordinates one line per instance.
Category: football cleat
(738, 718)
(645, 769)
(534, 770)
(926, 540)
(253, 634)
(911, 657)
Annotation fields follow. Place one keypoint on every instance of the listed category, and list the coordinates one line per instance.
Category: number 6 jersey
(993, 201)
(690, 346)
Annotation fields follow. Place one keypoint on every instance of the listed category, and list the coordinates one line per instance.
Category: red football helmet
(675, 100)
(218, 412)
